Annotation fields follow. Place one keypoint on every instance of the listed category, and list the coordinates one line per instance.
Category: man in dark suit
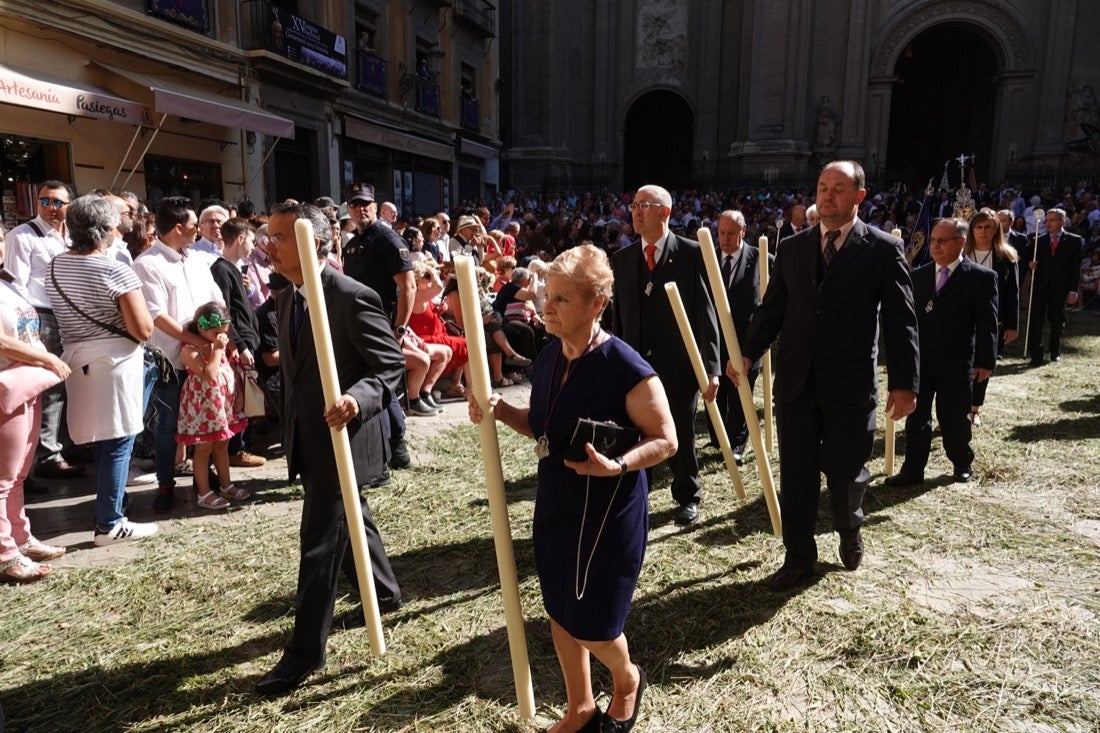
(792, 226)
(830, 286)
(369, 365)
(1018, 240)
(740, 266)
(956, 303)
(1055, 276)
(642, 316)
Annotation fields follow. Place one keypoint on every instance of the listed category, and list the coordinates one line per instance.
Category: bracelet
(622, 465)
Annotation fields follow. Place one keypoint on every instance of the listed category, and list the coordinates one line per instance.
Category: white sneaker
(136, 477)
(123, 531)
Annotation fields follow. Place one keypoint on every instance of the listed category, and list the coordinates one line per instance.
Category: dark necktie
(830, 247)
(727, 269)
(297, 316)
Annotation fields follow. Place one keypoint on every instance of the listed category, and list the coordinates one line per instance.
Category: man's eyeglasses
(644, 205)
(56, 203)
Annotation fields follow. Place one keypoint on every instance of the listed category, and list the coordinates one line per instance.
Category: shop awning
(168, 98)
(66, 97)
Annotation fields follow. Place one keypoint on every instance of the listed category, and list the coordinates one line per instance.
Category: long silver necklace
(542, 445)
(985, 260)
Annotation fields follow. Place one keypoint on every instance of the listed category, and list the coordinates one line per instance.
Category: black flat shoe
(788, 578)
(687, 514)
(284, 678)
(610, 725)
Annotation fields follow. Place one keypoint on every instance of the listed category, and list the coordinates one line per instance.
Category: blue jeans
(166, 402)
(112, 459)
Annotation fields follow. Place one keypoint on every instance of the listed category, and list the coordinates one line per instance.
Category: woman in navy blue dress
(591, 517)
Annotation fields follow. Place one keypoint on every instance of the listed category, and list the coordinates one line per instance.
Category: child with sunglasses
(209, 411)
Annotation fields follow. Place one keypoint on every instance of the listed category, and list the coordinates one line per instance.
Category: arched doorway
(943, 102)
(658, 140)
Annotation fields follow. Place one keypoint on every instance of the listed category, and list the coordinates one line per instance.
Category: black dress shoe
(902, 479)
(739, 455)
(610, 725)
(1036, 361)
(399, 457)
(34, 488)
(962, 474)
(687, 514)
(788, 577)
(282, 679)
(851, 548)
(58, 469)
(1055, 357)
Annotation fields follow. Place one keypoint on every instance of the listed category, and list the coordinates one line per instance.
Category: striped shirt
(94, 283)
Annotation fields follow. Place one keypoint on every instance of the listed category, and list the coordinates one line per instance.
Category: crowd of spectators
(513, 238)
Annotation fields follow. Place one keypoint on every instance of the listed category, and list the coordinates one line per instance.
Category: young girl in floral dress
(209, 415)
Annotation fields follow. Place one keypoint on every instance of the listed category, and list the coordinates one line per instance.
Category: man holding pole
(1055, 262)
(369, 365)
(643, 317)
(823, 302)
(740, 266)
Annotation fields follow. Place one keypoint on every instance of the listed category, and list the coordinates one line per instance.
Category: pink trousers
(18, 438)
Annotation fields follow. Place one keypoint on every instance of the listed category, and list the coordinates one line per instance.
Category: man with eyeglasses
(956, 303)
(29, 249)
(1055, 263)
(208, 247)
(642, 316)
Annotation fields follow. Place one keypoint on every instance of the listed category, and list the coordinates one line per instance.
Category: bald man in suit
(831, 285)
(642, 316)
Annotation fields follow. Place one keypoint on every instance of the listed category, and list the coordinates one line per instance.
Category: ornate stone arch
(1004, 30)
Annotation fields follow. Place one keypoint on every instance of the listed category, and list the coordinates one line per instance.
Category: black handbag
(608, 438)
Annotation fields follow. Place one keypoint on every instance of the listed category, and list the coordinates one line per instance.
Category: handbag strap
(105, 326)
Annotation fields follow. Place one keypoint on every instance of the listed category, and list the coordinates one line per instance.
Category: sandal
(455, 391)
(504, 382)
(211, 500)
(234, 492)
(41, 552)
(21, 569)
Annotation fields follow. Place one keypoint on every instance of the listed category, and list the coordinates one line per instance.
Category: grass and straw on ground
(975, 609)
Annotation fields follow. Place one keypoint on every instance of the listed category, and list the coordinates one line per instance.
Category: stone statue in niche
(1082, 120)
(662, 36)
(828, 126)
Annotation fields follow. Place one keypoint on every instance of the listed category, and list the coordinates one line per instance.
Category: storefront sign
(393, 139)
(309, 44)
(67, 98)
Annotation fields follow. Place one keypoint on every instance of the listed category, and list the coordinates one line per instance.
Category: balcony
(374, 75)
(427, 97)
(479, 14)
(471, 115)
(268, 28)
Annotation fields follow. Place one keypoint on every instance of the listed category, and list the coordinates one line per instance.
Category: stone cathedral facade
(614, 93)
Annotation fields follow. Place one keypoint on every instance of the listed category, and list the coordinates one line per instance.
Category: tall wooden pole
(494, 480)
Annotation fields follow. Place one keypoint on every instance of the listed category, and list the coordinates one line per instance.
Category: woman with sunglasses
(103, 317)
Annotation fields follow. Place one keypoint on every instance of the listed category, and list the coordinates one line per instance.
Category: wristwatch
(400, 332)
(622, 465)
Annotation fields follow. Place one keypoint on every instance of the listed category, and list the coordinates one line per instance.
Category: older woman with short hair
(102, 316)
(591, 516)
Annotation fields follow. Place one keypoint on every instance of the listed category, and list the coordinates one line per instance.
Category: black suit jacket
(828, 331)
(958, 326)
(246, 329)
(743, 291)
(369, 364)
(1008, 292)
(657, 336)
(1058, 273)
